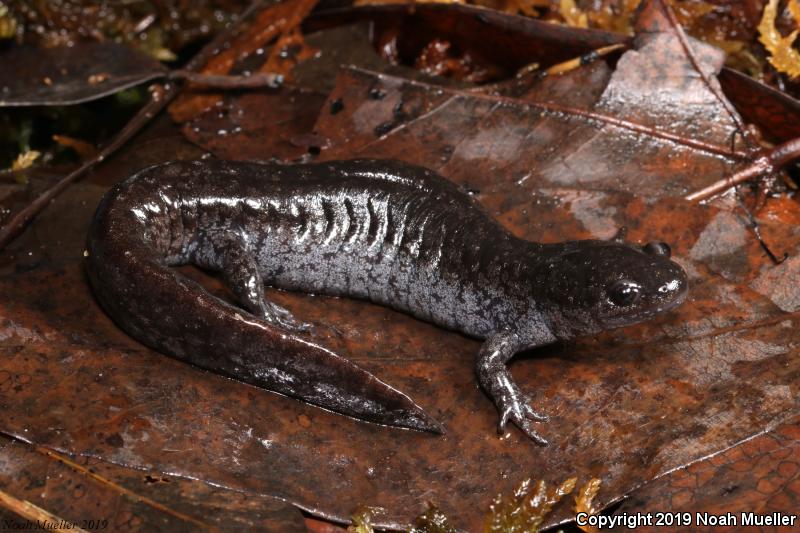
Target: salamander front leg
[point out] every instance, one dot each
(496, 380)
(227, 253)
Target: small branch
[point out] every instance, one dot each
(576, 112)
(757, 232)
(160, 97)
(768, 163)
(638, 128)
(226, 82)
(35, 514)
(715, 89)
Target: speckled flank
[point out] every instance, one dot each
(385, 231)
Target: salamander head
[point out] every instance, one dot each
(598, 285)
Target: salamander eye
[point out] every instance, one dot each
(623, 292)
(657, 248)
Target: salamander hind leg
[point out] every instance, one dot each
(227, 252)
(496, 380)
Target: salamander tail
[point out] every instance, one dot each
(323, 378)
(179, 317)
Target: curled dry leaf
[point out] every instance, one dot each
(25, 160)
(572, 14)
(783, 55)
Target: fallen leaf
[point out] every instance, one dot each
(95, 496)
(757, 476)
(71, 75)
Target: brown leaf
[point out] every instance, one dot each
(758, 476)
(94, 496)
(71, 75)
(624, 383)
(776, 114)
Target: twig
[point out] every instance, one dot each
(35, 515)
(589, 115)
(160, 97)
(769, 162)
(757, 232)
(226, 81)
(715, 89)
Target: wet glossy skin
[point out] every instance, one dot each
(393, 233)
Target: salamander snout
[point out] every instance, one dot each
(599, 285)
(640, 284)
(657, 248)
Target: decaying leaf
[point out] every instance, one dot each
(105, 497)
(524, 511)
(157, 27)
(783, 56)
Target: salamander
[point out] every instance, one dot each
(385, 231)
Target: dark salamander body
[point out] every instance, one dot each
(385, 231)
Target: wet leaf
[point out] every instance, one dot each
(775, 113)
(505, 41)
(95, 496)
(758, 475)
(62, 76)
(650, 126)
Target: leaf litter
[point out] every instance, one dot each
(685, 386)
